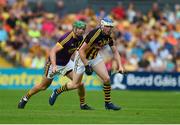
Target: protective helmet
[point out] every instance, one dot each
(107, 22)
(79, 24)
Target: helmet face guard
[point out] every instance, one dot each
(79, 24)
(107, 22)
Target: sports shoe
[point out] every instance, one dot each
(85, 107)
(111, 106)
(53, 97)
(22, 103)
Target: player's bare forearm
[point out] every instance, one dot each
(83, 57)
(53, 57)
(117, 57)
(55, 49)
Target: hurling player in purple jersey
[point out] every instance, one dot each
(88, 59)
(60, 63)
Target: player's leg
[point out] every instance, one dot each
(81, 93)
(74, 84)
(68, 71)
(39, 87)
(45, 83)
(81, 89)
(77, 78)
(102, 72)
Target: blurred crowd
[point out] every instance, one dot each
(146, 41)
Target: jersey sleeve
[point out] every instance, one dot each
(64, 39)
(81, 41)
(92, 36)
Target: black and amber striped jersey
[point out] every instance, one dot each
(70, 42)
(96, 39)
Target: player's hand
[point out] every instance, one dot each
(88, 70)
(121, 70)
(54, 69)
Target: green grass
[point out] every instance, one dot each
(138, 107)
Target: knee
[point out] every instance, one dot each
(106, 79)
(78, 85)
(81, 84)
(44, 88)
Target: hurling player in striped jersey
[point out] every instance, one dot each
(88, 59)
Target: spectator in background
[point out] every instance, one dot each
(127, 36)
(60, 8)
(157, 64)
(38, 61)
(48, 25)
(177, 12)
(138, 19)
(131, 13)
(39, 8)
(155, 11)
(118, 12)
(137, 50)
(81, 15)
(89, 13)
(11, 21)
(144, 63)
(3, 3)
(154, 44)
(169, 64)
(33, 31)
(47, 43)
(163, 52)
(3, 33)
(177, 60)
(101, 13)
(11, 2)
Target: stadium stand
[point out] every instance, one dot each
(4, 63)
(147, 41)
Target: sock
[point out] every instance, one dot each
(82, 100)
(107, 92)
(81, 93)
(27, 96)
(62, 89)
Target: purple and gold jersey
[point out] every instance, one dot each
(70, 42)
(96, 40)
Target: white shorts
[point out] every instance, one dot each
(79, 66)
(61, 70)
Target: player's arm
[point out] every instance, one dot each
(117, 57)
(53, 52)
(82, 53)
(85, 46)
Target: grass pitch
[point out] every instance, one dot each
(137, 107)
